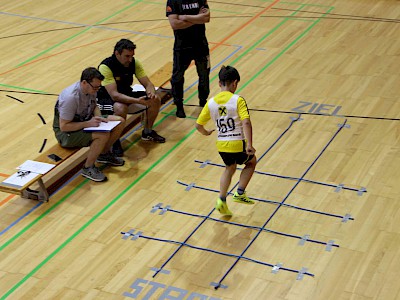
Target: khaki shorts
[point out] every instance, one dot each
(75, 139)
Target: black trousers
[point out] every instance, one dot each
(182, 60)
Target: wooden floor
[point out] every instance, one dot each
(322, 80)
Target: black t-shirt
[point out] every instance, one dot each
(193, 37)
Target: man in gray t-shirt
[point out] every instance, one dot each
(76, 109)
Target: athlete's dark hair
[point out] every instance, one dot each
(228, 75)
(90, 73)
(124, 44)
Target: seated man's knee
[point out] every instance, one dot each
(154, 101)
(101, 136)
(158, 101)
(122, 120)
(116, 118)
(120, 109)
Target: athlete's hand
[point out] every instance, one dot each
(209, 132)
(250, 150)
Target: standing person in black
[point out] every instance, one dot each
(187, 19)
(116, 95)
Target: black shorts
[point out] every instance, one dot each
(239, 158)
(106, 104)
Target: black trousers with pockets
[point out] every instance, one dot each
(182, 60)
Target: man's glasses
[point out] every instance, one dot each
(96, 88)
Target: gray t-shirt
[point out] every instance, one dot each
(75, 105)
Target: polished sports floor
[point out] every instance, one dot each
(322, 82)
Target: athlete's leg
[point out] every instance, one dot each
(247, 173)
(226, 179)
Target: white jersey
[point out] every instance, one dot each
(226, 119)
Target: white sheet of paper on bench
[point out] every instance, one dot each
(139, 88)
(18, 179)
(36, 167)
(103, 127)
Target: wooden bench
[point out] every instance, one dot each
(42, 186)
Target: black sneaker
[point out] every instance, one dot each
(180, 112)
(111, 159)
(153, 136)
(117, 149)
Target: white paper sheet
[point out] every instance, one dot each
(36, 167)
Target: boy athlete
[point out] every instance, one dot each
(234, 141)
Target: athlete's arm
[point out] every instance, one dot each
(247, 127)
(248, 134)
(202, 130)
(202, 120)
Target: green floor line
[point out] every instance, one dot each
(48, 258)
(304, 4)
(286, 48)
(156, 124)
(92, 219)
(78, 34)
(27, 227)
(212, 9)
(173, 114)
(300, 19)
(136, 140)
(21, 88)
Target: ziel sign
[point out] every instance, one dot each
(317, 108)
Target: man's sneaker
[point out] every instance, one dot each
(222, 207)
(117, 149)
(152, 136)
(111, 159)
(180, 113)
(93, 173)
(242, 198)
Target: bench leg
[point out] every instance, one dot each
(41, 194)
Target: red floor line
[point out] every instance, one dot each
(244, 25)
